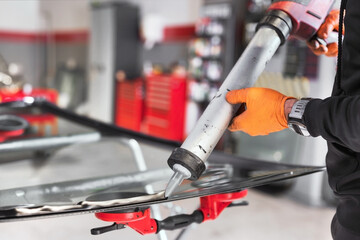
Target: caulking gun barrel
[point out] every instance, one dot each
(271, 33)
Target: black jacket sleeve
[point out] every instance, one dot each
(336, 119)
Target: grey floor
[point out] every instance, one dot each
(267, 217)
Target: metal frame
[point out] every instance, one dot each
(141, 164)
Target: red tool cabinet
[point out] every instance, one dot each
(50, 95)
(41, 122)
(129, 104)
(165, 106)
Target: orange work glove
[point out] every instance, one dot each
(330, 24)
(264, 112)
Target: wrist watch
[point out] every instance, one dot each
(296, 121)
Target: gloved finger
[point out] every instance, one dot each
(322, 49)
(332, 50)
(237, 123)
(237, 96)
(313, 44)
(316, 47)
(326, 29)
(330, 24)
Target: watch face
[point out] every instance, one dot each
(298, 127)
(294, 127)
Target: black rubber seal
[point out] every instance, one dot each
(189, 160)
(279, 21)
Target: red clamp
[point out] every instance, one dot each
(212, 205)
(11, 126)
(140, 220)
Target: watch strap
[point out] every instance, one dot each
(296, 117)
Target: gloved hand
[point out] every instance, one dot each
(265, 111)
(330, 24)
